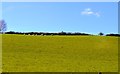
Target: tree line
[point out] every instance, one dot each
(46, 33)
(3, 28)
(59, 33)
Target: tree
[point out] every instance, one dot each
(3, 26)
(101, 33)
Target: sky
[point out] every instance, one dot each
(84, 17)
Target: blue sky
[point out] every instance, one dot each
(85, 17)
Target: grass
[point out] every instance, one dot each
(59, 53)
(0, 53)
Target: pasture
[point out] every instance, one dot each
(59, 53)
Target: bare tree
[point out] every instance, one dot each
(3, 26)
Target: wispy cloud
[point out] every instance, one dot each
(89, 11)
(11, 8)
(8, 8)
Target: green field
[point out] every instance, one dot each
(59, 53)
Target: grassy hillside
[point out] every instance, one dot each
(60, 53)
(0, 53)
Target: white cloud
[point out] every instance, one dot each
(97, 14)
(88, 11)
